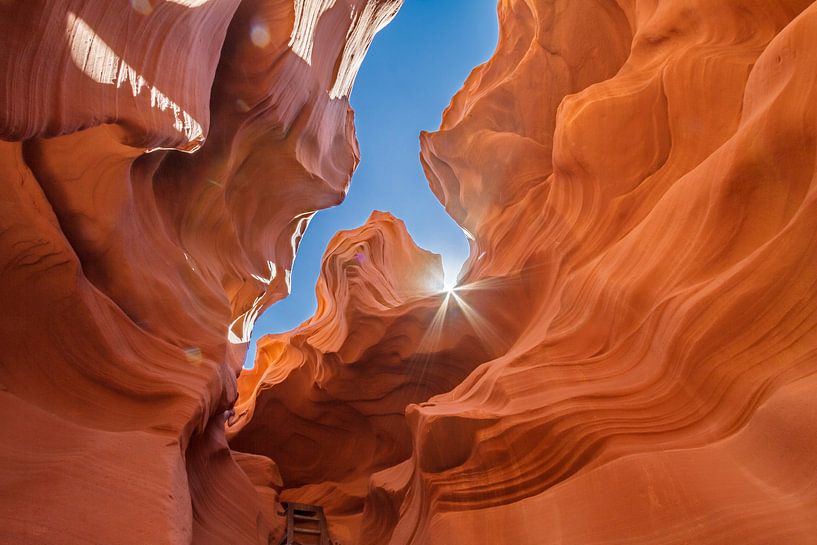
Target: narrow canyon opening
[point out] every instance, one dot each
(628, 355)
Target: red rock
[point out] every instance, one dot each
(131, 275)
(639, 305)
(630, 356)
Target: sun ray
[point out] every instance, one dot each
(484, 330)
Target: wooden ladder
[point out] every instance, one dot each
(306, 525)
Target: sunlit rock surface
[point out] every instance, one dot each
(631, 356)
(131, 272)
(326, 401)
(633, 348)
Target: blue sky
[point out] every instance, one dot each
(414, 67)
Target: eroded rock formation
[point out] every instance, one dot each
(132, 273)
(631, 354)
(634, 339)
(342, 380)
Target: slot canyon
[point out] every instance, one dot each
(629, 354)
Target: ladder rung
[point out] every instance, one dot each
(307, 517)
(307, 531)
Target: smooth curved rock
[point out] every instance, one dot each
(639, 182)
(131, 274)
(629, 357)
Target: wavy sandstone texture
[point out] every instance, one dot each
(132, 273)
(631, 356)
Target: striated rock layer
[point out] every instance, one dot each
(326, 401)
(631, 356)
(131, 273)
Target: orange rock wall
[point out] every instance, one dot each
(634, 340)
(630, 357)
(131, 272)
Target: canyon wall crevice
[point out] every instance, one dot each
(132, 273)
(630, 355)
(638, 181)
